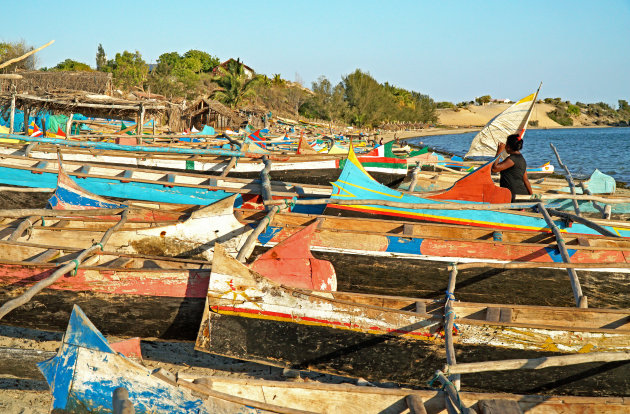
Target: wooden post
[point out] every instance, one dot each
(449, 318)
(228, 167)
(452, 396)
(265, 182)
(569, 178)
(140, 123)
(69, 126)
(414, 178)
(607, 211)
(415, 404)
(580, 299)
(12, 116)
(153, 124)
(248, 246)
(44, 127)
(599, 208)
(27, 115)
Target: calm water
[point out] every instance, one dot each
(582, 150)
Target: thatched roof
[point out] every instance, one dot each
(88, 104)
(38, 82)
(203, 104)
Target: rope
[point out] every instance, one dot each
(459, 400)
(99, 245)
(76, 267)
(43, 222)
(450, 296)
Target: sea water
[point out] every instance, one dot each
(582, 150)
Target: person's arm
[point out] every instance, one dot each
(503, 165)
(527, 184)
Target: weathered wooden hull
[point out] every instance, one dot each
(349, 399)
(250, 317)
(88, 370)
(149, 303)
(386, 357)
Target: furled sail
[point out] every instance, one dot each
(511, 121)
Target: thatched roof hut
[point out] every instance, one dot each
(206, 111)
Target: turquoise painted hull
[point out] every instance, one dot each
(115, 188)
(355, 183)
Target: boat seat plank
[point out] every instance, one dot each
(493, 314)
(84, 169)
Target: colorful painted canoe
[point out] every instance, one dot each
(356, 183)
(379, 339)
(147, 184)
(87, 370)
(200, 160)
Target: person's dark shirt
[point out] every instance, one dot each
(512, 178)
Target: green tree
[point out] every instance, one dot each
(623, 105)
(128, 69)
(573, 110)
(206, 62)
(72, 65)
(234, 84)
(365, 97)
(101, 58)
(482, 100)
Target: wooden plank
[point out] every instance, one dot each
(493, 314)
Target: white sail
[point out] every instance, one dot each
(511, 121)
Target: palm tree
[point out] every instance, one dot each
(234, 84)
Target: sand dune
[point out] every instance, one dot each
(478, 116)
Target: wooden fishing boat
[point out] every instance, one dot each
(356, 183)
(87, 374)
(298, 167)
(146, 184)
(352, 399)
(375, 337)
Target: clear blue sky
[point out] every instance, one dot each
(451, 50)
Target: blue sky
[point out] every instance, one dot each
(451, 50)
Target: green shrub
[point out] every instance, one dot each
(573, 110)
(561, 116)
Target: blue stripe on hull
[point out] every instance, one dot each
(114, 188)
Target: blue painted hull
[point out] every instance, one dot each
(115, 188)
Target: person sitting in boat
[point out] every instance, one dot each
(513, 169)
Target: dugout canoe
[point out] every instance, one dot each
(250, 317)
(87, 371)
(352, 399)
(146, 184)
(315, 169)
(356, 183)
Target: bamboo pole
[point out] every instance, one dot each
(24, 56)
(569, 178)
(580, 299)
(539, 363)
(588, 223)
(69, 126)
(431, 206)
(26, 212)
(248, 246)
(27, 115)
(26, 190)
(57, 274)
(12, 76)
(585, 197)
(539, 265)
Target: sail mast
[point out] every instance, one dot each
(529, 114)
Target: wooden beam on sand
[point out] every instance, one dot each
(539, 363)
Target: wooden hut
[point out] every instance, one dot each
(205, 111)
